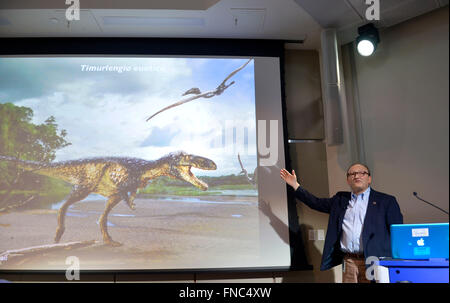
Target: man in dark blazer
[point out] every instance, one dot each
(359, 222)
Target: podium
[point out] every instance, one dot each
(412, 271)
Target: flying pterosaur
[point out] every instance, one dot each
(198, 94)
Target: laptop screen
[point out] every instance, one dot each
(420, 241)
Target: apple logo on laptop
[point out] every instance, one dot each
(421, 242)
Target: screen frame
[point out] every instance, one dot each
(82, 46)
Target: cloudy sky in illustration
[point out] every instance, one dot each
(105, 112)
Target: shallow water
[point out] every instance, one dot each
(235, 193)
(91, 197)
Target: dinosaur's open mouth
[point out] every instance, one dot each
(199, 183)
(182, 168)
(188, 176)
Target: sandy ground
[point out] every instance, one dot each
(192, 233)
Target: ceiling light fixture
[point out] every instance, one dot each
(368, 39)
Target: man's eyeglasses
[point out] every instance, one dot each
(356, 173)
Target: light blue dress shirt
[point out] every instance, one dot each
(351, 239)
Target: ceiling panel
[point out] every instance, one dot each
(329, 13)
(141, 23)
(248, 18)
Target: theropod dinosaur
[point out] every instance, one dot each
(117, 178)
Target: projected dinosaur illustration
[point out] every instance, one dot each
(117, 178)
(198, 94)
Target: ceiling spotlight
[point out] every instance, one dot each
(368, 39)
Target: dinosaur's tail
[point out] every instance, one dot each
(54, 170)
(27, 165)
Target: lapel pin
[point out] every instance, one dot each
(374, 203)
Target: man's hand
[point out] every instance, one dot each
(290, 179)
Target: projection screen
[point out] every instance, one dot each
(141, 163)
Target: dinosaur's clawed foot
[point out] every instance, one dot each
(112, 243)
